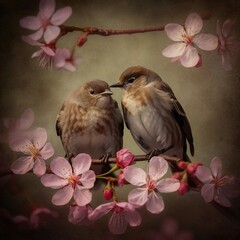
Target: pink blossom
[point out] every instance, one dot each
(124, 213)
(229, 45)
(47, 21)
(216, 186)
(124, 158)
(72, 181)
(45, 54)
(65, 59)
(18, 125)
(187, 37)
(79, 214)
(36, 220)
(34, 146)
(150, 185)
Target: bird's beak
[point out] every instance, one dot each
(106, 92)
(117, 85)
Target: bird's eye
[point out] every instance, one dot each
(92, 92)
(131, 79)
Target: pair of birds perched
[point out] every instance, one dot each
(91, 122)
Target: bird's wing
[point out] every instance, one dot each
(179, 114)
(119, 119)
(58, 124)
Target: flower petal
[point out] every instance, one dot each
(207, 42)
(190, 57)
(51, 33)
(47, 151)
(227, 28)
(22, 165)
(61, 15)
(39, 167)
(101, 211)
(155, 203)
(81, 163)
(88, 178)
(216, 167)
(30, 22)
(117, 223)
(36, 35)
(49, 51)
(61, 167)
(226, 60)
(82, 196)
(63, 196)
(174, 50)
(204, 174)
(46, 8)
(157, 167)
(134, 175)
(70, 66)
(133, 218)
(207, 192)
(19, 143)
(138, 196)
(193, 24)
(222, 199)
(53, 181)
(26, 119)
(175, 31)
(39, 137)
(168, 185)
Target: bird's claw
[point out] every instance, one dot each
(156, 152)
(104, 159)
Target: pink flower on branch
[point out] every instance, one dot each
(34, 145)
(79, 214)
(65, 59)
(72, 181)
(187, 37)
(47, 21)
(45, 54)
(36, 220)
(150, 184)
(124, 158)
(124, 213)
(229, 45)
(216, 186)
(18, 125)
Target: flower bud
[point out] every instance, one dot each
(124, 158)
(176, 175)
(182, 164)
(108, 191)
(82, 39)
(192, 167)
(183, 188)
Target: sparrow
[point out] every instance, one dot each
(153, 115)
(90, 122)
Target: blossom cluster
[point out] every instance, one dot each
(48, 27)
(75, 180)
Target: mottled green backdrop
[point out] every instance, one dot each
(209, 95)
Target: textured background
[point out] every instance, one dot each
(209, 95)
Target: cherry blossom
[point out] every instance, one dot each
(216, 186)
(45, 54)
(187, 37)
(17, 126)
(34, 146)
(47, 21)
(79, 214)
(124, 158)
(36, 220)
(124, 213)
(229, 45)
(72, 181)
(65, 59)
(150, 185)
